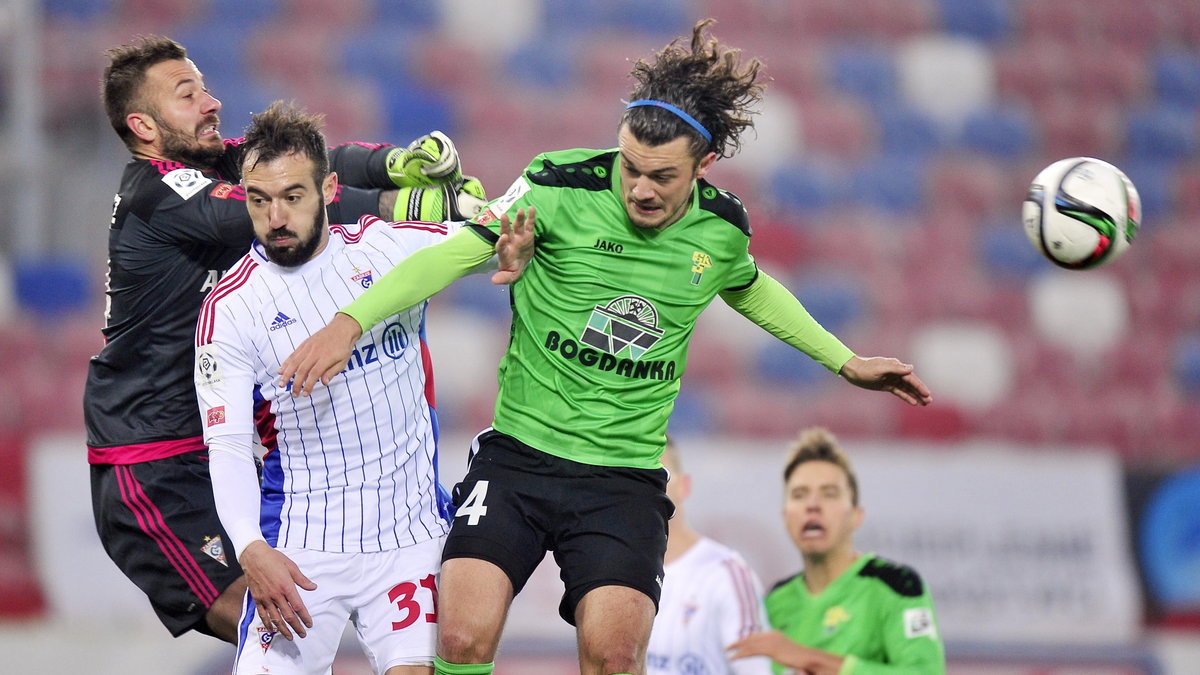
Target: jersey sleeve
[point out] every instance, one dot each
(769, 304)
(199, 209)
(361, 165)
(741, 613)
(911, 640)
(520, 195)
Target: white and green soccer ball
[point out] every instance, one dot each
(1081, 212)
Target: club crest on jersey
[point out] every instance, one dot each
(215, 416)
(626, 327)
(700, 262)
(215, 549)
(265, 637)
(207, 367)
(834, 617)
(365, 279)
(186, 182)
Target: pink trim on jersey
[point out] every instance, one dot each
(144, 452)
(747, 599)
(236, 278)
(369, 146)
(151, 521)
(230, 142)
(165, 166)
(422, 225)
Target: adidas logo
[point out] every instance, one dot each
(281, 321)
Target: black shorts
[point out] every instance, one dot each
(158, 522)
(607, 526)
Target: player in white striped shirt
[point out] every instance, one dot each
(710, 597)
(351, 511)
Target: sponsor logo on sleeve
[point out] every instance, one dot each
(216, 415)
(501, 206)
(186, 182)
(918, 622)
(207, 367)
(222, 191)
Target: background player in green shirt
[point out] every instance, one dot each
(847, 613)
(632, 244)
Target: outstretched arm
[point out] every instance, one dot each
(783, 651)
(416, 279)
(767, 303)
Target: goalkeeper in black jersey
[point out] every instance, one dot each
(179, 219)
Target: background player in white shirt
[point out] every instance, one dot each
(351, 511)
(710, 597)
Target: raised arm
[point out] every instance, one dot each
(767, 303)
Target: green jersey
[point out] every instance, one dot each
(603, 314)
(877, 613)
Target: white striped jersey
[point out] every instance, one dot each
(353, 467)
(710, 599)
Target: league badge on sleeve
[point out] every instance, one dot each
(918, 622)
(186, 182)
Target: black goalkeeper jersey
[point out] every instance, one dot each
(174, 230)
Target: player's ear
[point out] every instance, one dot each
(859, 514)
(329, 187)
(142, 125)
(706, 163)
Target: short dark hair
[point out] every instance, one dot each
(121, 84)
(283, 129)
(817, 444)
(704, 79)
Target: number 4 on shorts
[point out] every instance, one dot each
(473, 507)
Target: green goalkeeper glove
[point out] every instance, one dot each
(430, 160)
(457, 201)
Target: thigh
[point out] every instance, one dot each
(614, 533)
(502, 508)
(396, 612)
(158, 522)
(266, 651)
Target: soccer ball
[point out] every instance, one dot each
(1081, 212)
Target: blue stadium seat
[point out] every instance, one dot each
(412, 112)
(218, 49)
(245, 12)
(1162, 133)
(1186, 363)
(545, 64)
(664, 17)
(691, 413)
(865, 71)
(383, 54)
(78, 9)
(1153, 180)
(1177, 79)
(1008, 253)
(782, 364)
(808, 186)
(1004, 133)
(52, 286)
(408, 15)
(907, 131)
(985, 20)
(892, 183)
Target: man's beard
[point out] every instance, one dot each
(188, 150)
(303, 251)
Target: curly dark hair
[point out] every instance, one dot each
(704, 79)
(817, 444)
(121, 84)
(282, 129)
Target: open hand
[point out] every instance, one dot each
(324, 354)
(515, 246)
(273, 579)
(881, 373)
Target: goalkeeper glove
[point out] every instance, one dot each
(430, 160)
(457, 201)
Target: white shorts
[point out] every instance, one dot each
(391, 597)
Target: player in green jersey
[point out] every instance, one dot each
(632, 244)
(847, 613)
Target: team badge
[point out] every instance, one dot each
(214, 549)
(265, 637)
(363, 278)
(834, 617)
(207, 366)
(700, 262)
(626, 327)
(216, 415)
(221, 191)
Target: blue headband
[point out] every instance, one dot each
(682, 115)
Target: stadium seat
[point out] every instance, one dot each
(904, 130)
(838, 126)
(892, 20)
(550, 66)
(78, 9)
(1002, 132)
(1008, 253)
(1070, 23)
(52, 287)
(409, 113)
(989, 21)
(1151, 175)
(410, 15)
(1161, 134)
(865, 71)
(890, 183)
(1185, 191)
(1177, 79)
(809, 187)
(1071, 127)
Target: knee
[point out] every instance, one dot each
(459, 644)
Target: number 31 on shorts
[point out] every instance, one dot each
(473, 507)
